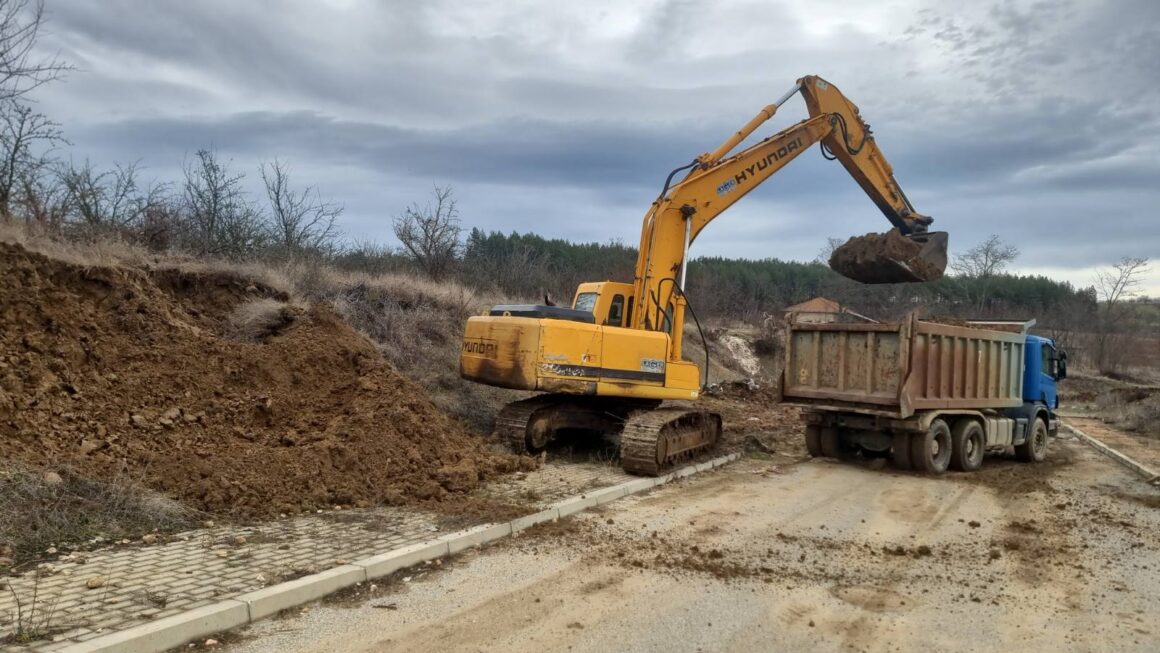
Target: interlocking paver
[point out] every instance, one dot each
(187, 571)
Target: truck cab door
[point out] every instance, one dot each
(1047, 376)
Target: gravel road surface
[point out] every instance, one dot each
(775, 554)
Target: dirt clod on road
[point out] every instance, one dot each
(107, 372)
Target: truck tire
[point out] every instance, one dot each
(814, 440)
(1034, 449)
(901, 450)
(930, 452)
(833, 446)
(968, 444)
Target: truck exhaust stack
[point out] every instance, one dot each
(892, 257)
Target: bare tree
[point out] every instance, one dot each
(22, 70)
(430, 233)
(1113, 288)
(113, 199)
(982, 263)
(44, 201)
(20, 129)
(828, 249)
(302, 221)
(219, 217)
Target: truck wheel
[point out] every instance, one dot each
(814, 440)
(930, 452)
(968, 444)
(832, 444)
(1034, 449)
(901, 450)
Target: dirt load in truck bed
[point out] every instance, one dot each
(121, 371)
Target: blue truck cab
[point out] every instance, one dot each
(1043, 366)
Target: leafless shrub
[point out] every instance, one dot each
(109, 201)
(33, 617)
(219, 216)
(1132, 409)
(40, 509)
(26, 142)
(21, 68)
(301, 222)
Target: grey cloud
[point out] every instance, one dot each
(1034, 120)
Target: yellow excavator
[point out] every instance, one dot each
(606, 364)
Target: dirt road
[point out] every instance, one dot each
(773, 555)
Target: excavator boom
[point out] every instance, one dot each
(716, 180)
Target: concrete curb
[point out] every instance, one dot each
(247, 608)
(1150, 475)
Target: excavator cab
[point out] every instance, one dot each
(610, 302)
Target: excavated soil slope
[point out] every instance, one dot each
(109, 371)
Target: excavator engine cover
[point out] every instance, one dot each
(892, 257)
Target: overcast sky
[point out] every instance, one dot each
(1038, 121)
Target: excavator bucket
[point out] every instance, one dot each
(892, 257)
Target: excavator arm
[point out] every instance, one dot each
(716, 180)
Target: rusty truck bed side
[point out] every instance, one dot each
(899, 368)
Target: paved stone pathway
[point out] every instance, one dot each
(140, 582)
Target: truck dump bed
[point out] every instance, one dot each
(897, 369)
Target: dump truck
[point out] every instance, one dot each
(929, 394)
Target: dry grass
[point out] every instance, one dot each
(262, 318)
(40, 509)
(1132, 409)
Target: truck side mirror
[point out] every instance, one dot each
(1061, 371)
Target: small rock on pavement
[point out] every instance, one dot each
(240, 540)
(95, 582)
(150, 538)
(211, 642)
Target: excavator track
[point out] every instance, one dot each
(653, 441)
(511, 424)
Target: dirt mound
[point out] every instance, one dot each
(889, 258)
(108, 371)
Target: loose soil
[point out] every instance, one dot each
(883, 258)
(107, 371)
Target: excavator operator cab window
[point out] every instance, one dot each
(586, 301)
(628, 317)
(616, 311)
